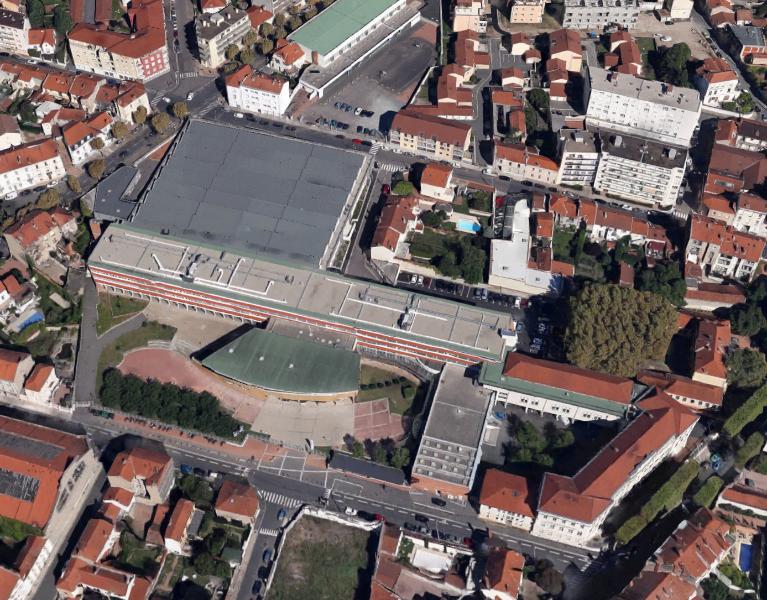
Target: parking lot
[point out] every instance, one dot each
(681, 31)
(381, 85)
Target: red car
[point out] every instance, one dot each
(385, 189)
(356, 141)
(380, 518)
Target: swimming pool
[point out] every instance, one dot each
(468, 226)
(744, 559)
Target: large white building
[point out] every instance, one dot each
(580, 159)
(571, 510)
(30, 165)
(14, 32)
(640, 170)
(257, 92)
(596, 14)
(630, 105)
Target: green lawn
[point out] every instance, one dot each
(113, 354)
(16, 531)
(55, 314)
(646, 45)
(392, 388)
(321, 560)
(137, 557)
(115, 309)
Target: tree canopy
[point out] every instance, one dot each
(664, 279)
(615, 329)
(670, 64)
(746, 368)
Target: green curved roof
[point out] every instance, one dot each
(284, 364)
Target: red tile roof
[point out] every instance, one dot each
(751, 202)
(41, 35)
(564, 40)
(37, 224)
(179, 519)
(392, 224)
(568, 377)
(237, 498)
(245, 77)
(140, 463)
(118, 496)
(436, 174)
(258, 15)
(718, 203)
(289, 52)
(412, 122)
(731, 242)
(658, 586)
(9, 363)
(677, 385)
(587, 494)
(508, 492)
(503, 572)
(745, 497)
(105, 579)
(93, 541)
(711, 342)
(37, 378)
(8, 581)
(27, 154)
(544, 224)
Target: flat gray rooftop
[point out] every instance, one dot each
(453, 434)
(644, 151)
(644, 89)
(251, 191)
(110, 192)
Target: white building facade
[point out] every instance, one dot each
(29, 166)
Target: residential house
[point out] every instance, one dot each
(520, 43)
(640, 170)
(571, 510)
(469, 15)
(717, 82)
(41, 384)
(30, 165)
(751, 214)
(176, 541)
(687, 557)
(711, 343)
(628, 105)
(526, 11)
(506, 499)
(718, 207)
(10, 133)
(140, 54)
(130, 95)
(579, 160)
(398, 218)
(288, 58)
(708, 297)
(719, 13)
(746, 134)
(562, 390)
(15, 367)
(565, 45)
(258, 15)
(731, 169)
(39, 233)
(524, 163)
(436, 182)
(80, 576)
(14, 32)
(749, 43)
(513, 77)
(257, 92)
(441, 139)
(147, 474)
(217, 31)
(503, 574)
(42, 40)
(695, 395)
(212, 6)
(237, 501)
(470, 52)
(80, 138)
(722, 251)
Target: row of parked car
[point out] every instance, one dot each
(358, 111)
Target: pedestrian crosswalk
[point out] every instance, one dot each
(276, 498)
(375, 148)
(188, 75)
(389, 167)
(269, 532)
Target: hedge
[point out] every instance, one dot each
(630, 529)
(708, 491)
(752, 447)
(746, 412)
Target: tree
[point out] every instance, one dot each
(279, 20)
(119, 130)
(74, 184)
(433, 219)
(358, 449)
(664, 279)
(180, 110)
(746, 412)
(630, 528)
(266, 46)
(265, 30)
(708, 491)
(310, 13)
(62, 20)
(406, 547)
(378, 453)
(713, 588)
(753, 446)
(215, 541)
(745, 103)
(96, 168)
(400, 458)
(746, 368)
(139, 115)
(539, 100)
(747, 319)
(160, 122)
(250, 38)
(615, 329)
(295, 22)
(402, 188)
(548, 578)
(97, 143)
(247, 56)
(231, 52)
(48, 199)
(280, 33)
(36, 12)
(194, 488)
(204, 564)
(670, 64)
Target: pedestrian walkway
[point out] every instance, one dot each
(285, 501)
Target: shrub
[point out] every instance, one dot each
(630, 529)
(708, 492)
(752, 447)
(746, 412)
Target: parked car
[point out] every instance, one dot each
(357, 111)
(438, 501)
(386, 189)
(256, 587)
(239, 115)
(282, 514)
(267, 556)
(422, 518)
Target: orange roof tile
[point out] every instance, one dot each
(289, 52)
(507, 492)
(93, 541)
(119, 496)
(36, 224)
(27, 154)
(730, 241)
(658, 586)
(718, 203)
(237, 498)
(37, 378)
(711, 342)
(258, 15)
(436, 174)
(677, 385)
(415, 123)
(564, 40)
(179, 519)
(8, 581)
(503, 572)
(745, 497)
(9, 363)
(140, 463)
(79, 573)
(42, 35)
(28, 555)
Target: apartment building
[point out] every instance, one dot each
(596, 14)
(436, 138)
(176, 540)
(558, 389)
(716, 82)
(640, 170)
(216, 32)
(39, 232)
(626, 104)
(141, 54)
(750, 215)
(565, 45)
(524, 163)
(722, 251)
(744, 134)
(506, 499)
(749, 43)
(147, 474)
(469, 14)
(80, 138)
(526, 11)
(257, 92)
(14, 32)
(571, 510)
(580, 158)
(30, 165)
